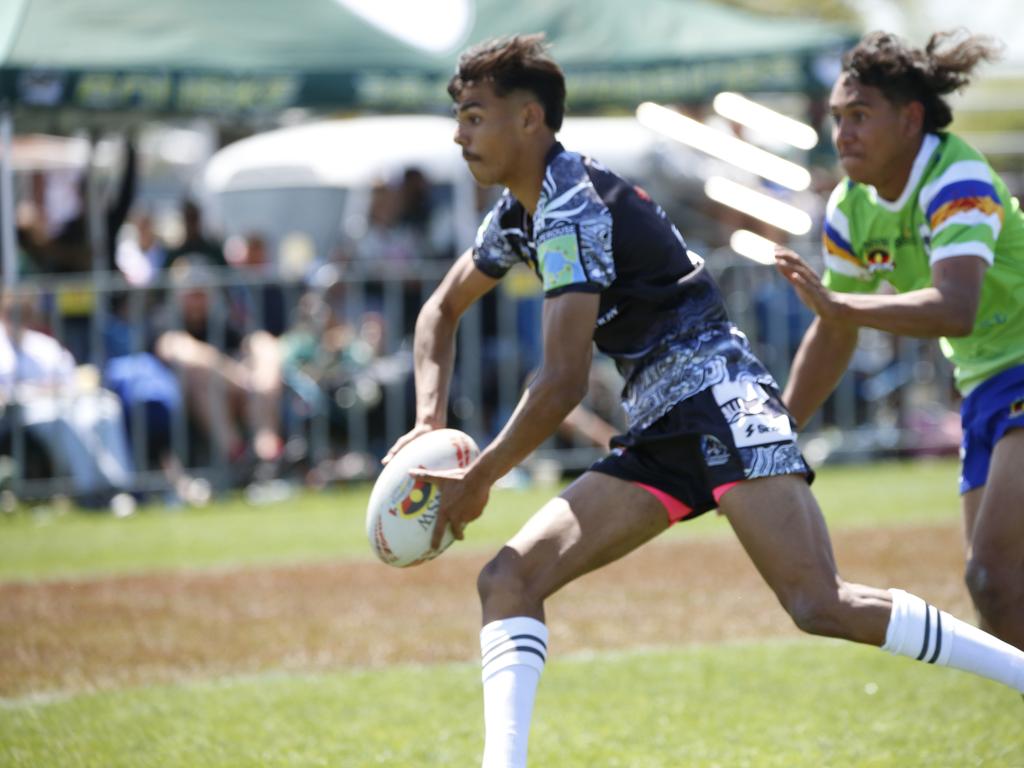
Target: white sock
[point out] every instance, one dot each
(923, 632)
(513, 652)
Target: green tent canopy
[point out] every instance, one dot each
(238, 58)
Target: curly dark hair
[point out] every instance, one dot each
(520, 62)
(904, 73)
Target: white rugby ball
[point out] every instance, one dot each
(402, 510)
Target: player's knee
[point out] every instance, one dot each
(502, 578)
(817, 611)
(992, 585)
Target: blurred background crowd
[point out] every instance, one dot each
(204, 303)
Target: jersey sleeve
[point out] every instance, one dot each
(963, 212)
(844, 270)
(573, 232)
(493, 252)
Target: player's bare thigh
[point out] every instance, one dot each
(780, 525)
(595, 521)
(994, 516)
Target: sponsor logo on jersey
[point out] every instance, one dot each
(714, 450)
(879, 260)
(1017, 408)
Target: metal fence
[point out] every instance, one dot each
(346, 374)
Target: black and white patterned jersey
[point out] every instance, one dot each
(661, 317)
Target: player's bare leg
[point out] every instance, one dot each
(780, 525)
(596, 520)
(994, 523)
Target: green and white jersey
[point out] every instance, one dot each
(954, 204)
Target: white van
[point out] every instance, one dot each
(317, 178)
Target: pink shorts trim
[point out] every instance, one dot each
(674, 507)
(721, 490)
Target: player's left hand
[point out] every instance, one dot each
(463, 499)
(807, 284)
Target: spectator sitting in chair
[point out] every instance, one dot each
(232, 382)
(79, 425)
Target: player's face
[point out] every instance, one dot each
(489, 132)
(876, 139)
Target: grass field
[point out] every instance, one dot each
(674, 693)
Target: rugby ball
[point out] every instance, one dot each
(402, 510)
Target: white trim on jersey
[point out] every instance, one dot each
(928, 146)
(962, 170)
(975, 248)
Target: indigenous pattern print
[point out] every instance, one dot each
(661, 316)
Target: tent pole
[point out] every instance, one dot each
(7, 225)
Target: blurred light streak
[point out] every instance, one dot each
(759, 205)
(753, 246)
(760, 118)
(740, 153)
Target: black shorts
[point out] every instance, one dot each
(732, 431)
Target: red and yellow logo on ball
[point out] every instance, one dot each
(417, 501)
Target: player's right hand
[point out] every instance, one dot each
(408, 437)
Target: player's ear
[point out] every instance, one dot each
(532, 115)
(913, 116)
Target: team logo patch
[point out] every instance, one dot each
(715, 452)
(1017, 408)
(879, 260)
(558, 258)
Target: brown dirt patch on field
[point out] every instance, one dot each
(130, 630)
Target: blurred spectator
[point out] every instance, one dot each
(259, 302)
(232, 381)
(79, 425)
(61, 240)
(195, 244)
(384, 240)
(424, 216)
(140, 254)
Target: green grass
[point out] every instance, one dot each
(42, 543)
(797, 704)
(804, 704)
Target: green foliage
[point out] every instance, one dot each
(806, 704)
(328, 525)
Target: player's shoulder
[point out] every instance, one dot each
(953, 148)
(565, 172)
(846, 194)
(955, 161)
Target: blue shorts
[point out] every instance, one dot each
(989, 412)
(705, 445)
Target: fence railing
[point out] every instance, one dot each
(346, 389)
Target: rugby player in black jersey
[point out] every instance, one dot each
(707, 428)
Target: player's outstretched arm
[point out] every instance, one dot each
(434, 344)
(945, 308)
(557, 388)
(818, 365)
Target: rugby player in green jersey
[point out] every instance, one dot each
(924, 212)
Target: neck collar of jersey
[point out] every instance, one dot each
(928, 145)
(555, 150)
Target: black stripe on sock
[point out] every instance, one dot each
(927, 630)
(498, 642)
(525, 648)
(938, 636)
(496, 651)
